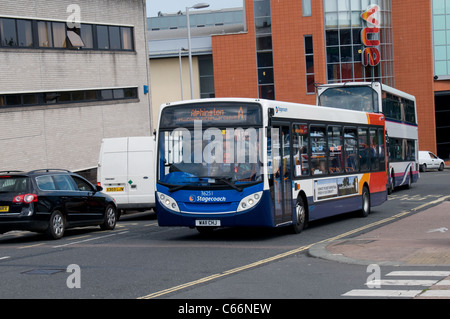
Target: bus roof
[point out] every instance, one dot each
(375, 85)
(295, 111)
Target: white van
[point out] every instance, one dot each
(126, 171)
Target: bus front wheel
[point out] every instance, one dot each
(300, 216)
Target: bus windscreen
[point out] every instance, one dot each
(356, 98)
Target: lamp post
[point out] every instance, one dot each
(196, 6)
(181, 71)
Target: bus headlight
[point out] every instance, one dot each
(168, 202)
(249, 201)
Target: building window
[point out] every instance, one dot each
(263, 30)
(45, 34)
(64, 97)
(15, 33)
(206, 70)
(344, 48)
(34, 34)
(309, 61)
(306, 8)
(441, 38)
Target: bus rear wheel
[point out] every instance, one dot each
(365, 210)
(300, 216)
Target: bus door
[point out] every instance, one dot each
(281, 181)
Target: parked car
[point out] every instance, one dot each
(50, 201)
(427, 160)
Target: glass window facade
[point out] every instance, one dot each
(263, 29)
(441, 38)
(344, 46)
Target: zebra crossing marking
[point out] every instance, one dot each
(405, 293)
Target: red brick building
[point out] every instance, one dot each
(289, 45)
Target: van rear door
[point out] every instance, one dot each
(141, 171)
(113, 167)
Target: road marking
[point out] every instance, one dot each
(400, 282)
(83, 241)
(289, 253)
(6, 257)
(418, 273)
(31, 246)
(382, 293)
(436, 293)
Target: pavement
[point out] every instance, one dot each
(417, 239)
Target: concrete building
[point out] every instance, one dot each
(71, 75)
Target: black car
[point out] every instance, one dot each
(50, 201)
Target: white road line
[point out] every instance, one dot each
(436, 293)
(6, 257)
(83, 241)
(389, 282)
(420, 273)
(382, 293)
(444, 282)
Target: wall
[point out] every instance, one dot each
(165, 79)
(69, 136)
(413, 52)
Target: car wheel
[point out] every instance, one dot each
(110, 218)
(441, 167)
(56, 226)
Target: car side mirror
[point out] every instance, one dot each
(98, 188)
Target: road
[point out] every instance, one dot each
(141, 260)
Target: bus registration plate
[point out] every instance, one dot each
(207, 222)
(4, 209)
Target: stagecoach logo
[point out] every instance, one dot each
(281, 109)
(207, 199)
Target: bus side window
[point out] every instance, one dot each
(300, 150)
(374, 150)
(381, 153)
(351, 150)
(335, 159)
(364, 150)
(318, 150)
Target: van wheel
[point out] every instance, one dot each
(56, 226)
(110, 218)
(365, 210)
(300, 216)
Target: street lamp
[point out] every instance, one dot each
(181, 71)
(196, 6)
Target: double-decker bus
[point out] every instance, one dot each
(251, 162)
(399, 109)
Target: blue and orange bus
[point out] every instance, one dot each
(250, 162)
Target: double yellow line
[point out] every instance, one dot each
(288, 253)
